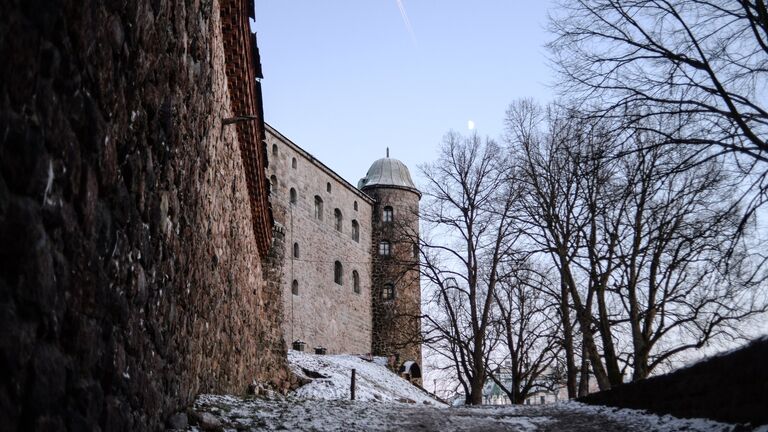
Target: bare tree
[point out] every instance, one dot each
(528, 329)
(703, 62)
(565, 206)
(468, 234)
(648, 251)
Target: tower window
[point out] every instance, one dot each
(295, 287)
(337, 218)
(293, 196)
(318, 208)
(388, 214)
(294, 163)
(356, 281)
(415, 250)
(338, 271)
(355, 205)
(355, 231)
(328, 187)
(385, 248)
(274, 149)
(295, 250)
(273, 182)
(388, 292)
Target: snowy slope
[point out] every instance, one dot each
(374, 382)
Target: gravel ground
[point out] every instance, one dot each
(230, 413)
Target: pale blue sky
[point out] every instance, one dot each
(346, 79)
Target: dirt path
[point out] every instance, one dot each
(229, 413)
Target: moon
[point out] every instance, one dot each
(470, 124)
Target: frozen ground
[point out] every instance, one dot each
(229, 413)
(374, 381)
(386, 402)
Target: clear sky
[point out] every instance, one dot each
(344, 79)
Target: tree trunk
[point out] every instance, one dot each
(570, 364)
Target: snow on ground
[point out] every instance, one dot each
(386, 402)
(374, 382)
(230, 413)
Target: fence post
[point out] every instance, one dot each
(352, 388)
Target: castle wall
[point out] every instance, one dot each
(130, 269)
(323, 313)
(396, 323)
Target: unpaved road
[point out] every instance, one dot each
(230, 413)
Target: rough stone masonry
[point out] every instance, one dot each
(133, 221)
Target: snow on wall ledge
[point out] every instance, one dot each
(374, 382)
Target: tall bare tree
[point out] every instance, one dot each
(528, 329)
(704, 62)
(467, 236)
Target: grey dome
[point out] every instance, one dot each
(387, 172)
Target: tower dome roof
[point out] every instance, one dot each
(387, 172)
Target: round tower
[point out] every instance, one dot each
(395, 287)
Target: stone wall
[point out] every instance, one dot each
(130, 274)
(323, 313)
(396, 323)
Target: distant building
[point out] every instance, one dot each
(350, 276)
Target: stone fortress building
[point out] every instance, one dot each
(350, 276)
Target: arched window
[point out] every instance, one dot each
(356, 281)
(328, 187)
(295, 250)
(388, 292)
(337, 218)
(273, 183)
(338, 272)
(294, 197)
(385, 249)
(274, 149)
(355, 231)
(294, 163)
(355, 205)
(388, 215)
(318, 208)
(295, 287)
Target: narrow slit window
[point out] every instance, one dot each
(296, 250)
(338, 219)
(318, 208)
(355, 231)
(294, 197)
(294, 163)
(338, 271)
(295, 287)
(356, 281)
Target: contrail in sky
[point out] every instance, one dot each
(406, 20)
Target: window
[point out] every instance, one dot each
(356, 281)
(274, 149)
(318, 208)
(273, 183)
(293, 196)
(355, 205)
(338, 271)
(385, 249)
(388, 214)
(328, 187)
(388, 293)
(355, 231)
(337, 218)
(295, 250)
(415, 250)
(295, 287)
(294, 163)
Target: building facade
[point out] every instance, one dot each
(350, 276)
